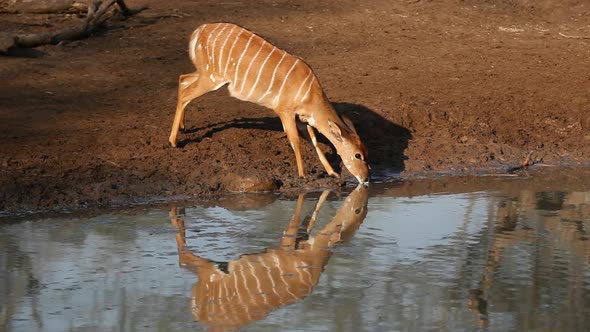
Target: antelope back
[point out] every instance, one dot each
(253, 286)
(256, 70)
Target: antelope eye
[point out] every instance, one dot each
(357, 211)
(357, 155)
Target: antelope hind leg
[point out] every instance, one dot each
(190, 86)
(290, 127)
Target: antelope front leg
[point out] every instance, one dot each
(321, 155)
(178, 223)
(290, 127)
(318, 206)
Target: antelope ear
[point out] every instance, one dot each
(335, 130)
(349, 123)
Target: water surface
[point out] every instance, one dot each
(457, 254)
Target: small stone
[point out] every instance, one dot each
(249, 183)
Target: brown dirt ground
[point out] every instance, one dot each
(432, 86)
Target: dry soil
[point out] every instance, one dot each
(433, 86)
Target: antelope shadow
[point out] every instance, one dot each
(385, 140)
(229, 295)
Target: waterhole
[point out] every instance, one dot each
(456, 254)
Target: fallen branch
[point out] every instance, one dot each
(43, 6)
(574, 37)
(98, 12)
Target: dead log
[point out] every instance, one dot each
(42, 6)
(98, 12)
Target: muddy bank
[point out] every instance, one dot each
(431, 86)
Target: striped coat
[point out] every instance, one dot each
(245, 290)
(254, 70)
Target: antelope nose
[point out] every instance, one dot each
(367, 180)
(363, 180)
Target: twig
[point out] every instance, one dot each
(110, 162)
(501, 174)
(527, 160)
(173, 15)
(573, 37)
(525, 163)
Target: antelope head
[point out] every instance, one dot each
(350, 148)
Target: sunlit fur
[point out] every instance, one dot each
(255, 70)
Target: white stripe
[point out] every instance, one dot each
(231, 50)
(301, 86)
(253, 295)
(272, 80)
(227, 292)
(247, 298)
(269, 276)
(308, 89)
(223, 47)
(215, 42)
(258, 286)
(282, 275)
(260, 72)
(192, 46)
(243, 279)
(211, 302)
(221, 305)
(194, 41)
(275, 288)
(250, 65)
(209, 41)
(240, 59)
(235, 276)
(297, 265)
(308, 272)
(278, 96)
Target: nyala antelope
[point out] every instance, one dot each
(258, 72)
(244, 290)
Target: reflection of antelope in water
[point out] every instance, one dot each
(247, 289)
